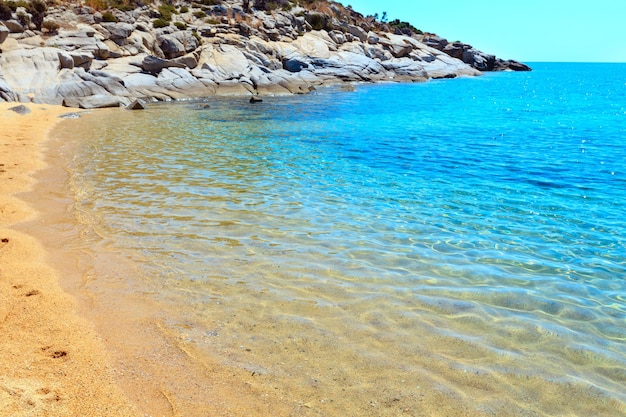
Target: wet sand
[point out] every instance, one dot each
(53, 362)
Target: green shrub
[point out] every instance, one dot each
(316, 20)
(180, 25)
(50, 26)
(5, 11)
(23, 18)
(183, 9)
(397, 24)
(37, 9)
(270, 5)
(197, 36)
(13, 5)
(107, 16)
(160, 23)
(166, 11)
(123, 5)
(199, 14)
(212, 21)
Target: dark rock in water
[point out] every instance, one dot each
(200, 106)
(473, 57)
(255, 99)
(21, 109)
(348, 88)
(511, 65)
(137, 105)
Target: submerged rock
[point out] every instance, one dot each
(70, 115)
(137, 104)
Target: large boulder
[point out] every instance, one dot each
(435, 41)
(399, 46)
(94, 102)
(155, 65)
(118, 32)
(72, 40)
(14, 26)
(4, 32)
(30, 70)
(82, 59)
(510, 65)
(6, 93)
(296, 63)
(479, 60)
(179, 43)
(65, 60)
(357, 32)
(111, 83)
(137, 104)
(181, 83)
(405, 68)
(70, 84)
(225, 62)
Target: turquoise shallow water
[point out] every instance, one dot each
(424, 230)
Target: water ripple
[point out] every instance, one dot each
(487, 218)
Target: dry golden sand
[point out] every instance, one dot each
(52, 362)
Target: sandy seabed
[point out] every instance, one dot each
(52, 361)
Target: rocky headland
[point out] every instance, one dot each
(102, 53)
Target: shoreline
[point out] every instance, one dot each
(143, 365)
(54, 362)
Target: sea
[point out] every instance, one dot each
(451, 247)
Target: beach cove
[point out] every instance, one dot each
(201, 257)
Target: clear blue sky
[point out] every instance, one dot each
(524, 30)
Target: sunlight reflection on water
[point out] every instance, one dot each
(399, 233)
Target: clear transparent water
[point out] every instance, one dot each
(410, 234)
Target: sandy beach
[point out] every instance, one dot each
(53, 362)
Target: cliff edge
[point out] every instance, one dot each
(108, 54)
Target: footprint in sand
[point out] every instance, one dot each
(28, 293)
(28, 397)
(54, 353)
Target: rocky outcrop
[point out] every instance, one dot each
(212, 50)
(471, 56)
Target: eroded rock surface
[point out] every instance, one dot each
(220, 49)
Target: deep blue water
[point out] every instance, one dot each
(489, 210)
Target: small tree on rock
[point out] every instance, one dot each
(37, 9)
